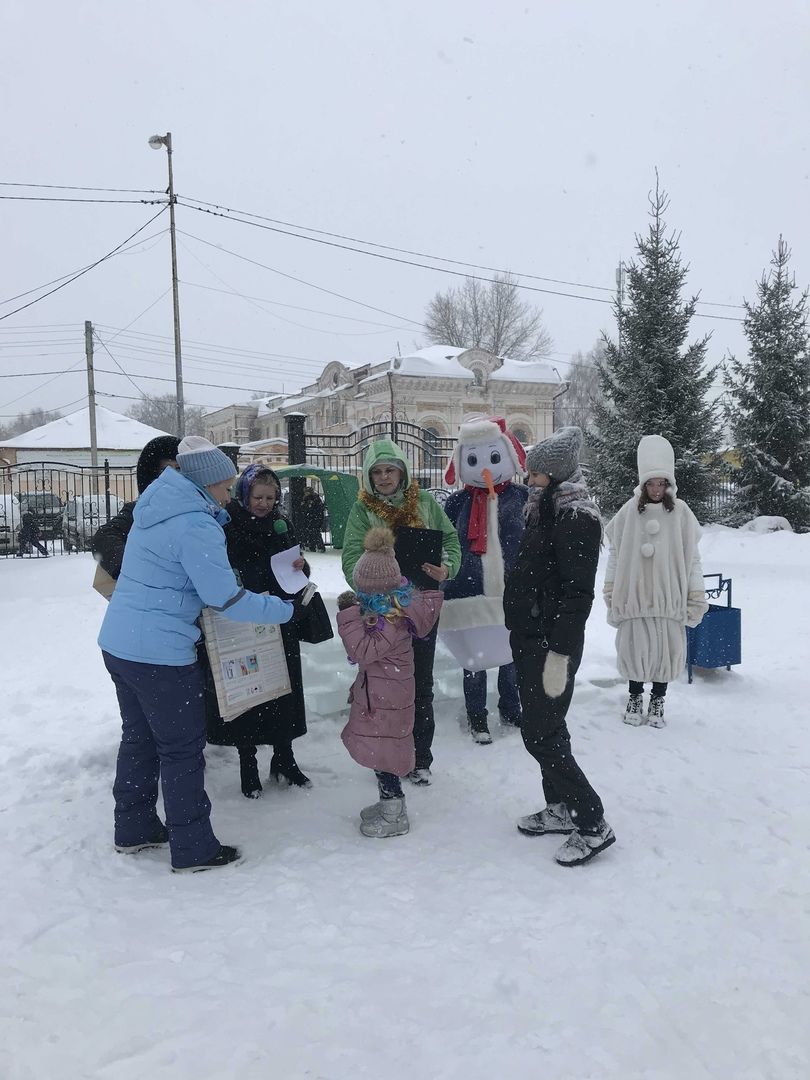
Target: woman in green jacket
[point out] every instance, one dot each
(388, 496)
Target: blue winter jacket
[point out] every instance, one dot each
(469, 581)
(175, 563)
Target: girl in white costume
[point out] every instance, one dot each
(654, 581)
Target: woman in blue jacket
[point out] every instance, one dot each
(175, 563)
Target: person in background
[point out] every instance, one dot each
(29, 535)
(312, 515)
(653, 582)
(547, 600)
(378, 626)
(175, 563)
(388, 496)
(110, 539)
(256, 531)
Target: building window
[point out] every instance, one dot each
(522, 434)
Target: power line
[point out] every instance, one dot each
(92, 266)
(300, 281)
(107, 351)
(66, 199)
(74, 187)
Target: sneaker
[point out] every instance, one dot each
(553, 819)
(289, 774)
(223, 857)
(420, 777)
(634, 711)
(580, 847)
(655, 712)
(369, 813)
(161, 839)
(479, 729)
(392, 820)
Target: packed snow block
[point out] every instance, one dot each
(717, 641)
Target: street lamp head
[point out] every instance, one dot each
(157, 141)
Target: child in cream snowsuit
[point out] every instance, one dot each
(377, 627)
(654, 581)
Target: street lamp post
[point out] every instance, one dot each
(156, 142)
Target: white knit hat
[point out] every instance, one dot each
(656, 458)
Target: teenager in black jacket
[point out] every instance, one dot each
(547, 600)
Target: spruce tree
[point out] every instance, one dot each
(653, 382)
(769, 402)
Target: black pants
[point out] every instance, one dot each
(659, 689)
(424, 725)
(390, 785)
(545, 734)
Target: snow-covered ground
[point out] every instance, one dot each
(459, 952)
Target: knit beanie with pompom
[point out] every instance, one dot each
(377, 570)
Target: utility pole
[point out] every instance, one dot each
(91, 393)
(156, 142)
(393, 413)
(620, 298)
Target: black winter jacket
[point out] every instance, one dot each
(110, 540)
(549, 594)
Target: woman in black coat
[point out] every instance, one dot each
(256, 532)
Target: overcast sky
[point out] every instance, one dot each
(515, 135)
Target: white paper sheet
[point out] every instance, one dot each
(288, 578)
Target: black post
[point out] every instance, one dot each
(296, 455)
(106, 487)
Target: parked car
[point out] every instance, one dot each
(81, 517)
(9, 524)
(47, 510)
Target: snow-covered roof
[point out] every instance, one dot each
(442, 361)
(113, 432)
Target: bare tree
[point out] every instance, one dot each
(161, 412)
(576, 406)
(488, 315)
(27, 422)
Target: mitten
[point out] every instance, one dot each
(696, 608)
(346, 600)
(555, 674)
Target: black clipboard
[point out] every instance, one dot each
(413, 547)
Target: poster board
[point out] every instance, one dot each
(247, 662)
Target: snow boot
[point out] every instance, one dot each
(284, 770)
(554, 818)
(582, 845)
(392, 820)
(160, 839)
(510, 720)
(249, 773)
(479, 729)
(420, 777)
(634, 711)
(223, 857)
(655, 712)
(369, 813)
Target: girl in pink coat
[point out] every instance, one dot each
(377, 626)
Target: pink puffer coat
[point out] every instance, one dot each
(379, 734)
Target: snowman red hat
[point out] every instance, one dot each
(485, 429)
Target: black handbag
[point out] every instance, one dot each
(313, 624)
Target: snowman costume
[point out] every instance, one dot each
(488, 516)
(654, 579)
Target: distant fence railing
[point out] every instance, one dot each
(67, 502)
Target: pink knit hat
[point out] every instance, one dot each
(377, 570)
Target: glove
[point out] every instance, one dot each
(555, 674)
(346, 600)
(696, 608)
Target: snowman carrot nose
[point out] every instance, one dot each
(487, 475)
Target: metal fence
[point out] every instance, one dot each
(63, 504)
(427, 454)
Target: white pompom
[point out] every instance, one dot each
(647, 550)
(652, 526)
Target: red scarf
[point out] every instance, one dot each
(477, 528)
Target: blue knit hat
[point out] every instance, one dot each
(202, 462)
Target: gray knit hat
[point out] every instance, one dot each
(202, 462)
(558, 455)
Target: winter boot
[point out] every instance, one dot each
(420, 777)
(223, 857)
(369, 813)
(634, 711)
(284, 769)
(655, 712)
(249, 773)
(554, 818)
(582, 845)
(479, 729)
(160, 839)
(392, 820)
(512, 720)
